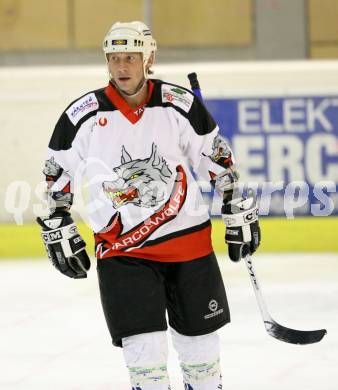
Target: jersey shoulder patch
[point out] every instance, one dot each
(82, 107)
(177, 96)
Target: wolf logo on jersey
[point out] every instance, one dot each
(140, 182)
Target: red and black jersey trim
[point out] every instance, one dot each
(132, 114)
(185, 245)
(178, 233)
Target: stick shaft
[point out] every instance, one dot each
(259, 297)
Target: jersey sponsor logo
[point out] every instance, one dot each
(177, 96)
(180, 91)
(82, 107)
(103, 121)
(114, 240)
(142, 183)
(169, 97)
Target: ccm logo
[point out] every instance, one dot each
(52, 236)
(251, 216)
(73, 230)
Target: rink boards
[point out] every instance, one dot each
(279, 235)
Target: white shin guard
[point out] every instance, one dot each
(199, 357)
(146, 357)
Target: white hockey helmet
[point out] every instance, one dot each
(134, 37)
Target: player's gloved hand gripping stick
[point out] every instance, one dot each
(246, 241)
(243, 234)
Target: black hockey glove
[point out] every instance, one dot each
(65, 247)
(243, 234)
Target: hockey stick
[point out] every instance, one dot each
(274, 329)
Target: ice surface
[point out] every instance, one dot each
(53, 334)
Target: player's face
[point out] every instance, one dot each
(127, 70)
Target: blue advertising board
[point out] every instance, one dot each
(287, 147)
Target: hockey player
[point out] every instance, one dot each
(139, 139)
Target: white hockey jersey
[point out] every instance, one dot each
(143, 199)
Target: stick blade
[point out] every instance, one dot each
(294, 336)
